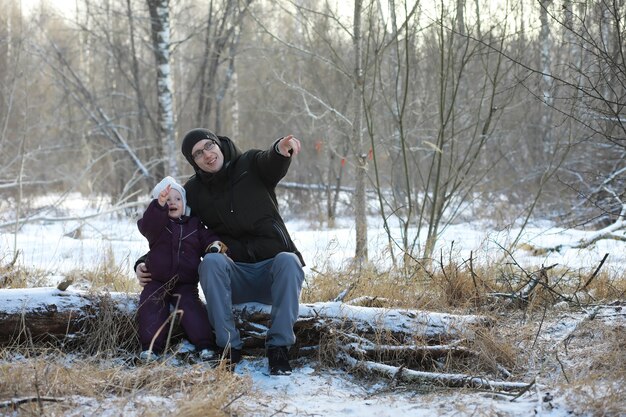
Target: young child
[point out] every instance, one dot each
(177, 243)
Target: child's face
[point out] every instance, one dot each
(175, 204)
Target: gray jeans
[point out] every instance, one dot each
(276, 281)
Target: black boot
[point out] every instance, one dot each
(231, 357)
(278, 360)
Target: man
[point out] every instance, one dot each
(233, 193)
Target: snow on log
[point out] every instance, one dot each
(47, 313)
(50, 314)
(401, 323)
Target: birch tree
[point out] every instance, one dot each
(161, 43)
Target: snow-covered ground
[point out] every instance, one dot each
(113, 239)
(313, 390)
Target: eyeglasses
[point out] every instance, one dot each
(207, 147)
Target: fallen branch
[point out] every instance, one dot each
(523, 295)
(527, 291)
(614, 231)
(367, 301)
(608, 233)
(366, 348)
(432, 378)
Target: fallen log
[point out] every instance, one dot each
(105, 322)
(49, 314)
(38, 314)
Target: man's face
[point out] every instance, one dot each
(208, 156)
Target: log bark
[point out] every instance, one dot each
(41, 314)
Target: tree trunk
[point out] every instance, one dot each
(545, 38)
(357, 139)
(220, 45)
(142, 111)
(160, 29)
(460, 17)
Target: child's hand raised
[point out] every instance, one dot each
(163, 195)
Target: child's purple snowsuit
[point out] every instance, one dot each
(176, 247)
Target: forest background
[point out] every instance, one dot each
(423, 118)
(514, 108)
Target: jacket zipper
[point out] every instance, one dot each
(282, 234)
(180, 243)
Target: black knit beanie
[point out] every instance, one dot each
(194, 136)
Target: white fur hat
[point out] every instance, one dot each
(175, 186)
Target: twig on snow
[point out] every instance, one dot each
(606, 255)
(14, 403)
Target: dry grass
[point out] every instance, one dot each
(88, 384)
(109, 330)
(95, 372)
(458, 286)
(518, 344)
(108, 275)
(603, 347)
(15, 275)
(604, 287)
(494, 352)
(392, 288)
